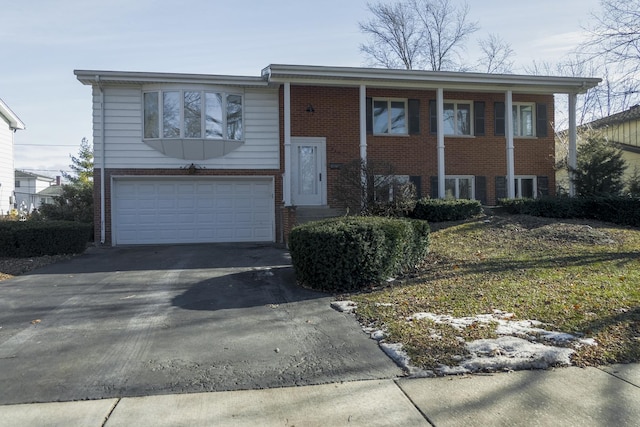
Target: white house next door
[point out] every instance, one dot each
(308, 171)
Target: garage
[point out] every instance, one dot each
(192, 210)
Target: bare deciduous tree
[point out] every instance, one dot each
(445, 28)
(497, 55)
(613, 50)
(396, 40)
(417, 34)
(615, 34)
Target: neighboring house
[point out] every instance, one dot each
(183, 158)
(622, 129)
(34, 189)
(9, 123)
(46, 196)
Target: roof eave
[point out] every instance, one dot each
(96, 77)
(277, 73)
(14, 121)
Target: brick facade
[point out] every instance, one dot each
(335, 116)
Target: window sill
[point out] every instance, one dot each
(391, 135)
(193, 149)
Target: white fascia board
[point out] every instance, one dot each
(12, 118)
(413, 79)
(94, 77)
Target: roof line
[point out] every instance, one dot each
(14, 120)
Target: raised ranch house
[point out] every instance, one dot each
(9, 124)
(183, 158)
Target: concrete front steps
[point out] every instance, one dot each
(306, 214)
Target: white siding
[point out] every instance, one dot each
(6, 166)
(125, 148)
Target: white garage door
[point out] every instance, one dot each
(160, 210)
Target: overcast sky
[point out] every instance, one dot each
(45, 40)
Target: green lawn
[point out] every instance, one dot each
(580, 277)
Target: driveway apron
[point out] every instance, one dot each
(140, 321)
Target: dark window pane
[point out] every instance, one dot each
(192, 115)
(463, 119)
(527, 188)
(171, 115)
(464, 188)
(398, 117)
(151, 114)
(213, 112)
(380, 117)
(234, 117)
(449, 119)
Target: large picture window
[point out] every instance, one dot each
(188, 114)
(390, 116)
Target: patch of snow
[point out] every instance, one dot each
(514, 349)
(384, 304)
(344, 306)
(397, 354)
(377, 335)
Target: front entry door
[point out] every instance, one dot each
(308, 174)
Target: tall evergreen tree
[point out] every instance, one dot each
(599, 169)
(82, 165)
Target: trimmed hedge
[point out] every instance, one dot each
(20, 239)
(619, 210)
(438, 210)
(349, 253)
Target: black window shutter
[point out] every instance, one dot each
(481, 189)
(369, 115)
(543, 185)
(541, 120)
(501, 187)
(478, 110)
(499, 116)
(433, 117)
(414, 116)
(434, 187)
(417, 181)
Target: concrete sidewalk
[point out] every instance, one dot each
(562, 397)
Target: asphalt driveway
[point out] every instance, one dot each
(173, 319)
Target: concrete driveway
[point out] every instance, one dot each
(173, 319)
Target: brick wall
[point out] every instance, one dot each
(336, 117)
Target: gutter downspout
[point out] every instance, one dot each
(362, 117)
(573, 132)
(442, 192)
(102, 162)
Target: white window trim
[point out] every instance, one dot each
(406, 116)
(203, 124)
(516, 119)
(455, 103)
(518, 185)
(472, 178)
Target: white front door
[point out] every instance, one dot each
(308, 171)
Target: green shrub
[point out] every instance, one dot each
(36, 238)
(619, 210)
(346, 254)
(438, 210)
